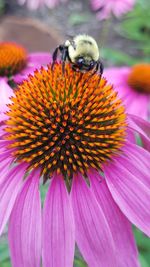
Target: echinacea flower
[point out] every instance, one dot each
(15, 65)
(106, 8)
(133, 86)
(35, 4)
(71, 129)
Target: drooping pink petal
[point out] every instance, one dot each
(1, 129)
(58, 226)
(140, 159)
(5, 161)
(93, 235)
(5, 93)
(131, 136)
(130, 191)
(25, 225)
(120, 227)
(9, 190)
(140, 124)
(142, 127)
(4, 151)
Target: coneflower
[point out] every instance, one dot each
(15, 65)
(71, 130)
(107, 8)
(133, 86)
(35, 4)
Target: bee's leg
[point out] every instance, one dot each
(75, 68)
(63, 58)
(98, 68)
(54, 56)
(101, 67)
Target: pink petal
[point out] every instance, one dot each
(35, 61)
(58, 226)
(9, 190)
(120, 227)
(39, 58)
(131, 136)
(4, 144)
(139, 105)
(93, 235)
(5, 93)
(25, 225)
(31, 4)
(140, 159)
(139, 124)
(134, 102)
(130, 191)
(142, 127)
(5, 165)
(20, 77)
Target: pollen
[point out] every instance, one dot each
(65, 122)
(139, 78)
(13, 58)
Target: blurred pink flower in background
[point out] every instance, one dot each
(35, 4)
(15, 65)
(133, 86)
(69, 131)
(106, 8)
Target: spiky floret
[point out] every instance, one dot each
(65, 122)
(139, 78)
(13, 58)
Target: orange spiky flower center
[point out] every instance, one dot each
(139, 78)
(13, 58)
(65, 122)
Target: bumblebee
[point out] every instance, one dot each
(82, 52)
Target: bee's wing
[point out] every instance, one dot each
(71, 40)
(70, 37)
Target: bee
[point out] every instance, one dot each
(82, 52)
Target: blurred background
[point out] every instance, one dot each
(123, 37)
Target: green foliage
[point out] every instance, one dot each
(78, 262)
(142, 241)
(1, 6)
(117, 57)
(77, 18)
(136, 27)
(4, 253)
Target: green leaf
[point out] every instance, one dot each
(5, 264)
(76, 18)
(142, 240)
(79, 263)
(43, 191)
(136, 24)
(4, 253)
(143, 262)
(117, 57)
